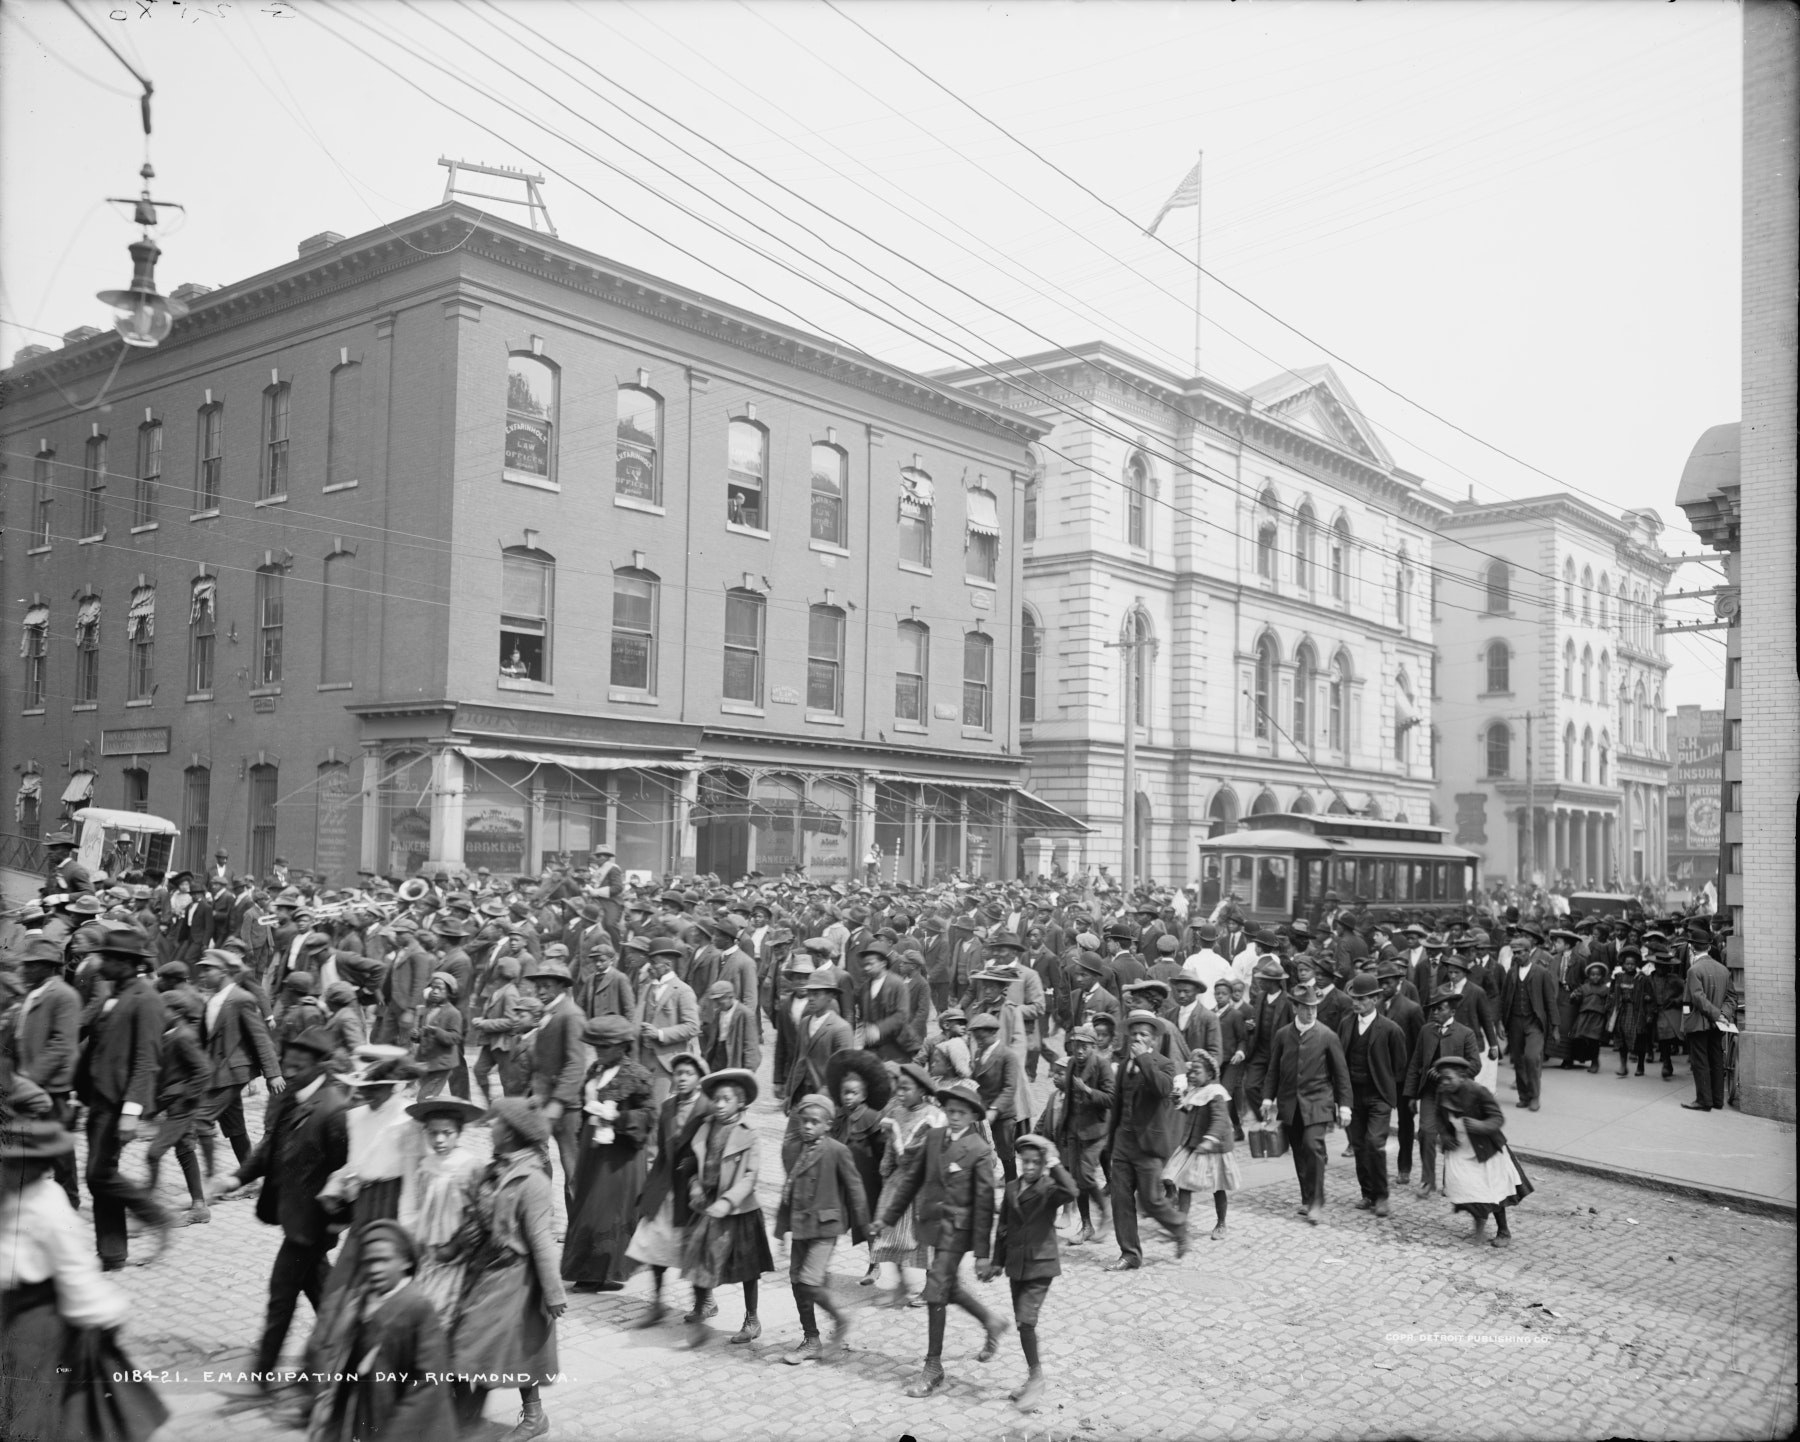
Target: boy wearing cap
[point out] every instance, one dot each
(1000, 1080)
(952, 1176)
(821, 1199)
(1025, 1249)
(947, 1055)
(1085, 1079)
(437, 1036)
(1442, 1036)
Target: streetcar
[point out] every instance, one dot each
(1279, 866)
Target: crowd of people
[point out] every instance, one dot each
(961, 1070)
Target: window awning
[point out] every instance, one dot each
(206, 589)
(984, 513)
(916, 493)
(140, 620)
(36, 619)
(87, 618)
(575, 761)
(31, 787)
(80, 787)
(1030, 812)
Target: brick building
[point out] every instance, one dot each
(1271, 562)
(454, 543)
(1551, 689)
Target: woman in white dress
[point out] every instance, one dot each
(1481, 1175)
(436, 1195)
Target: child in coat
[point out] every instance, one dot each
(1203, 1160)
(1025, 1248)
(724, 1241)
(437, 1038)
(821, 1200)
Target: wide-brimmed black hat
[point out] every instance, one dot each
(865, 1064)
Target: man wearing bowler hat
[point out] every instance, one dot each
(1311, 1087)
(668, 1017)
(559, 1061)
(1375, 1056)
(1144, 1128)
(1528, 1012)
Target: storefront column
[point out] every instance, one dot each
(370, 845)
(962, 833)
(686, 841)
(533, 859)
(865, 828)
(924, 843)
(447, 803)
(612, 811)
(1037, 857)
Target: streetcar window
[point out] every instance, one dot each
(1440, 881)
(1209, 882)
(1272, 883)
(1365, 880)
(1421, 881)
(1312, 885)
(1459, 880)
(1388, 883)
(1343, 878)
(1237, 877)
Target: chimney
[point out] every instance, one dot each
(324, 240)
(29, 353)
(80, 333)
(190, 290)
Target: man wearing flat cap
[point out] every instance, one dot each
(559, 1061)
(667, 1015)
(884, 1006)
(822, 1034)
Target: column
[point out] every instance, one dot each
(612, 810)
(1037, 857)
(1559, 840)
(962, 832)
(534, 827)
(1609, 849)
(447, 805)
(374, 858)
(1597, 849)
(925, 851)
(865, 830)
(687, 843)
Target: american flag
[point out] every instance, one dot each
(1187, 193)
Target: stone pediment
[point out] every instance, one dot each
(1313, 399)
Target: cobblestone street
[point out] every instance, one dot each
(1618, 1312)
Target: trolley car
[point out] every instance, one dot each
(1278, 867)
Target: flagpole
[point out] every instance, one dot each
(1198, 215)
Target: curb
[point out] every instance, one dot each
(1721, 1196)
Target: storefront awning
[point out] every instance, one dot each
(1032, 812)
(80, 787)
(575, 761)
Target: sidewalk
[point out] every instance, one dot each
(1634, 1128)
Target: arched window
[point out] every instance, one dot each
(1034, 489)
(137, 789)
(917, 499)
(981, 547)
(1305, 667)
(1338, 702)
(1265, 804)
(1028, 668)
(978, 681)
(1405, 718)
(1499, 750)
(1499, 588)
(637, 458)
(1223, 812)
(1587, 595)
(1605, 758)
(149, 473)
(527, 595)
(1338, 807)
(1265, 688)
(1568, 769)
(1656, 723)
(1499, 668)
(1568, 668)
(825, 661)
(1587, 756)
(530, 418)
(343, 438)
(140, 638)
(1605, 601)
(1638, 712)
(265, 792)
(1268, 507)
(746, 475)
(278, 402)
(635, 604)
(1587, 673)
(1403, 580)
(1137, 490)
(1303, 805)
(1340, 560)
(1138, 630)
(1306, 539)
(912, 664)
(1569, 588)
(1604, 695)
(830, 495)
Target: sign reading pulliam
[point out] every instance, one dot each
(135, 741)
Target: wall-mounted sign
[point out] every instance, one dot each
(784, 695)
(135, 741)
(981, 600)
(944, 710)
(262, 705)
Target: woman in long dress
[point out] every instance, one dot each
(663, 1211)
(899, 1252)
(435, 1198)
(1481, 1175)
(505, 1324)
(617, 1115)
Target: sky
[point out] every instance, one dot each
(1512, 228)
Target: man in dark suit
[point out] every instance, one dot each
(1443, 1035)
(822, 1034)
(559, 1061)
(238, 1046)
(1409, 1016)
(116, 1079)
(1270, 1011)
(1375, 1055)
(44, 1041)
(304, 1141)
(1706, 1002)
(1085, 1080)
(1194, 1019)
(884, 1005)
(952, 1178)
(1000, 1078)
(1528, 1011)
(1144, 1127)
(1310, 1085)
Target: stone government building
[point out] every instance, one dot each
(452, 543)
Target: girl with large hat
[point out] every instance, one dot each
(435, 1197)
(726, 1242)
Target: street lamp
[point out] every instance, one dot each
(140, 315)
